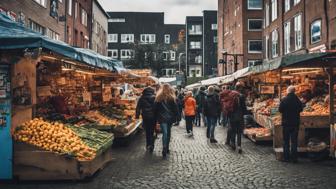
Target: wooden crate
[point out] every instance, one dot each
(31, 163)
(307, 122)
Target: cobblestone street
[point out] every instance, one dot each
(195, 163)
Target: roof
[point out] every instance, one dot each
(14, 35)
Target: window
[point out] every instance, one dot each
(254, 4)
(315, 31)
(37, 27)
(254, 46)
(147, 38)
(198, 59)
(195, 30)
(165, 55)
(52, 34)
(126, 53)
(84, 17)
(127, 38)
(195, 44)
(274, 9)
(253, 62)
(172, 55)
(298, 31)
(113, 53)
(296, 2)
(42, 2)
(116, 20)
(267, 16)
(167, 39)
(266, 46)
(214, 26)
(215, 40)
(255, 24)
(287, 37)
(113, 38)
(69, 7)
(76, 9)
(275, 43)
(287, 5)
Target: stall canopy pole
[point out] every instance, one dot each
(330, 71)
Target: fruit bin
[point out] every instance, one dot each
(34, 164)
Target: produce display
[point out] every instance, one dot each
(258, 132)
(54, 137)
(268, 107)
(315, 107)
(100, 119)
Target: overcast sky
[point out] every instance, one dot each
(175, 10)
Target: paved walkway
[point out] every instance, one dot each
(195, 163)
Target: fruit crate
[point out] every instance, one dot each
(33, 164)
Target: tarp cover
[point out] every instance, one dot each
(14, 35)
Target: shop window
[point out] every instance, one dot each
(315, 31)
(255, 24)
(254, 46)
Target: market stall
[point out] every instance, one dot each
(48, 92)
(312, 76)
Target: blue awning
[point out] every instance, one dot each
(14, 35)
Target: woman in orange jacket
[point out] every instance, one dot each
(189, 112)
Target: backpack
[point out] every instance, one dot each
(229, 101)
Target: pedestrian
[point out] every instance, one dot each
(166, 113)
(211, 111)
(189, 112)
(224, 95)
(180, 104)
(145, 107)
(290, 108)
(200, 99)
(235, 108)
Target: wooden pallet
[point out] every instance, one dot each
(31, 163)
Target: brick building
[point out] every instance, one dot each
(143, 40)
(298, 27)
(43, 16)
(79, 22)
(240, 24)
(99, 28)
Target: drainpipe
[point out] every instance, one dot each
(327, 22)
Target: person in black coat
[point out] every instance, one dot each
(166, 113)
(145, 107)
(290, 108)
(211, 111)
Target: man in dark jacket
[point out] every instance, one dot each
(236, 118)
(145, 106)
(180, 104)
(290, 108)
(211, 112)
(200, 99)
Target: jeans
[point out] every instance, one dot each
(149, 125)
(189, 122)
(211, 124)
(166, 132)
(198, 118)
(290, 138)
(236, 130)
